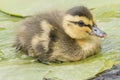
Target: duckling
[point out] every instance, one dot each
(58, 36)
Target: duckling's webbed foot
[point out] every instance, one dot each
(42, 54)
(43, 59)
(57, 61)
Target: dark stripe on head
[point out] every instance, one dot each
(80, 11)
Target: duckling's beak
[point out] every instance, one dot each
(96, 31)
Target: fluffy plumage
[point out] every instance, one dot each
(59, 36)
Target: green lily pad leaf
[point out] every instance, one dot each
(107, 11)
(30, 7)
(18, 66)
(23, 69)
(23, 72)
(1, 28)
(6, 17)
(15, 66)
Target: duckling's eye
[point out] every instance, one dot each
(80, 23)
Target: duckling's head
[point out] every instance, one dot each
(78, 23)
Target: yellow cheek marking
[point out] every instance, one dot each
(86, 29)
(72, 31)
(75, 31)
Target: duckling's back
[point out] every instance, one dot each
(42, 36)
(37, 34)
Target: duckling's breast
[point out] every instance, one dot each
(74, 51)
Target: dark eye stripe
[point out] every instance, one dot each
(88, 26)
(73, 22)
(81, 24)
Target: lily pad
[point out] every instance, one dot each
(107, 11)
(30, 7)
(7, 17)
(18, 66)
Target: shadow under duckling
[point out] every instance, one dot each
(60, 36)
